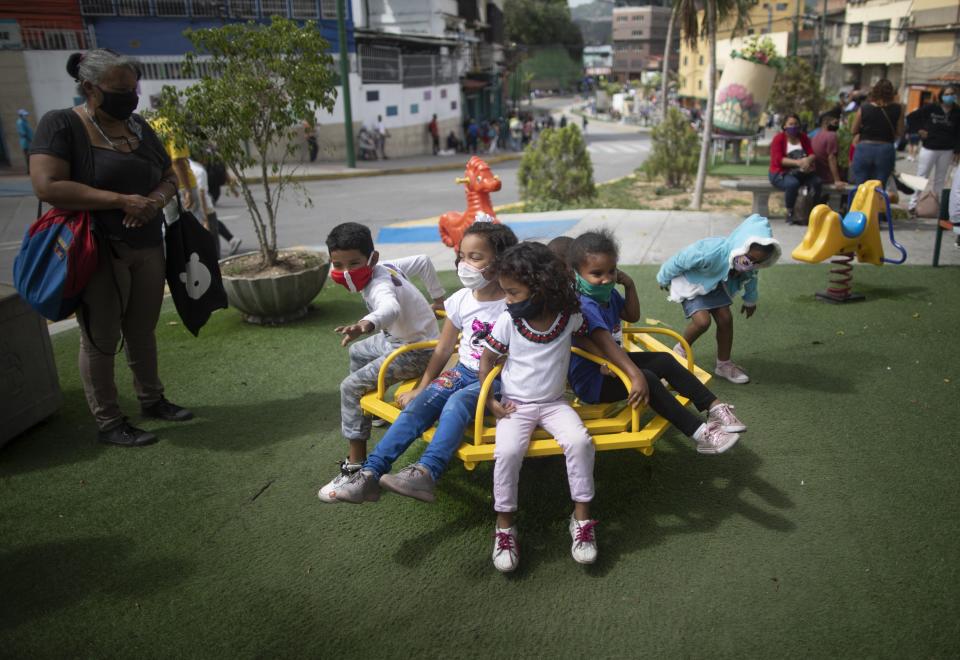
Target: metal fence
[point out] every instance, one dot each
(379, 63)
(383, 64)
(302, 9)
(55, 37)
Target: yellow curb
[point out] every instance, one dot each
(359, 174)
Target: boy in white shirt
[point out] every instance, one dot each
(398, 314)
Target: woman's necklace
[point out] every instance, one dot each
(113, 142)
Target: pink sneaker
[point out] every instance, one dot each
(732, 372)
(722, 414)
(712, 439)
(678, 349)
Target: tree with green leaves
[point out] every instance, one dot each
(674, 154)
(797, 89)
(543, 23)
(261, 82)
(556, 170)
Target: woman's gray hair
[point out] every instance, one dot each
(93, 65)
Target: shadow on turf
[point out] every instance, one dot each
(40, 580)
(641, 502)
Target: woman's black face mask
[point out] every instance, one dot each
(119, 105)
(526, 309)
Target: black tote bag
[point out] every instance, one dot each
(193, 272)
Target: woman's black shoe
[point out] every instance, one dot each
(165, 410)
(127, 435)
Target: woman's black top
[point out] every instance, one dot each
(873, 125)
(61, 133)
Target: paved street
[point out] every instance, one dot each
(376, 201)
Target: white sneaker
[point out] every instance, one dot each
(347, 470)
(506, 553)
(584, 535)
(722, 413)
(678, 349)
(712, 439)
(234, 245)
(732, 372)
(379, 422)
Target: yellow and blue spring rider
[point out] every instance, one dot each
(856, 234)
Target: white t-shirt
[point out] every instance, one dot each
(200, 174)
(475, 319)
(536, 366)
(396, 306)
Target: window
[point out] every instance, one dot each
(839, 31)
(853, 36)
(97, 7)
(427, 95)
(750, 31)
(638, 33)
(373, 95)
(902, 30)
(453, 105)
(701, 59)
(379, 63)
(684, 60)
(781, 6)
(699, 84)
(392, 111)
(243, 8)
(211, 8)
(303, 8)
(273, 7)
(328, 9)
(414, 108)
(878, 32)
(171, 7)
(443, 94)
(134, 7)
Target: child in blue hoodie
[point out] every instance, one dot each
(705, 277)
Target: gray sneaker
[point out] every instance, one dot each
(361, 487)
(413, 481)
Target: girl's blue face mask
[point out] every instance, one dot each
(599, 292)
(949, 99)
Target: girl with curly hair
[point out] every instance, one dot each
(534, 335)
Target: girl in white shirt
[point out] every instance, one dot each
(535, 335)
(451, 396)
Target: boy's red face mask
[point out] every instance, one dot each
(356, 279)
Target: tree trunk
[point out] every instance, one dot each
(708, 115)
(665, 82)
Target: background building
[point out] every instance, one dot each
(932, 52)
(639, 40)
(876, 41)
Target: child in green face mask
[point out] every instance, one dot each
(593, 257)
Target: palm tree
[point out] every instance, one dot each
(665, 76)
(691, 29)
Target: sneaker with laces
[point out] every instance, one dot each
(678, 349)
(412, 481)
(506, 553)
(126, 435)
(722, 414)
(732, 372)
(166, 410)
(584, 535)
(379, 423)
(234, 245)
(347, 470)
(712, 439)
(361, 487)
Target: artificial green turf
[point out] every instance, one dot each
(830, 530)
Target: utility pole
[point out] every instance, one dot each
(796, 29)
(345, 81)
(822, 41)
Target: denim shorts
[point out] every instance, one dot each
(713, 300)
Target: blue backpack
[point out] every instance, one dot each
(56, 260)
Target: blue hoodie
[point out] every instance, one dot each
(699, 268)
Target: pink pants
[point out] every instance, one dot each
(513, 438)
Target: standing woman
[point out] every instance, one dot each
(938, 125)
(876, 129)
(102, 158)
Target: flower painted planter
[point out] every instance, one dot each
(742, 96)
(275, 299)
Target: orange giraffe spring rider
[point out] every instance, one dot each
(480, 182)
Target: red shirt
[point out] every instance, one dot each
(825, 144)
(778, 150)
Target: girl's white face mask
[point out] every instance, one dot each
(471, 277)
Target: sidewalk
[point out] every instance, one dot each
(650, 237)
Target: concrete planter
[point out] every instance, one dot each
(29, 388)
(276, 298)
(742, 96)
